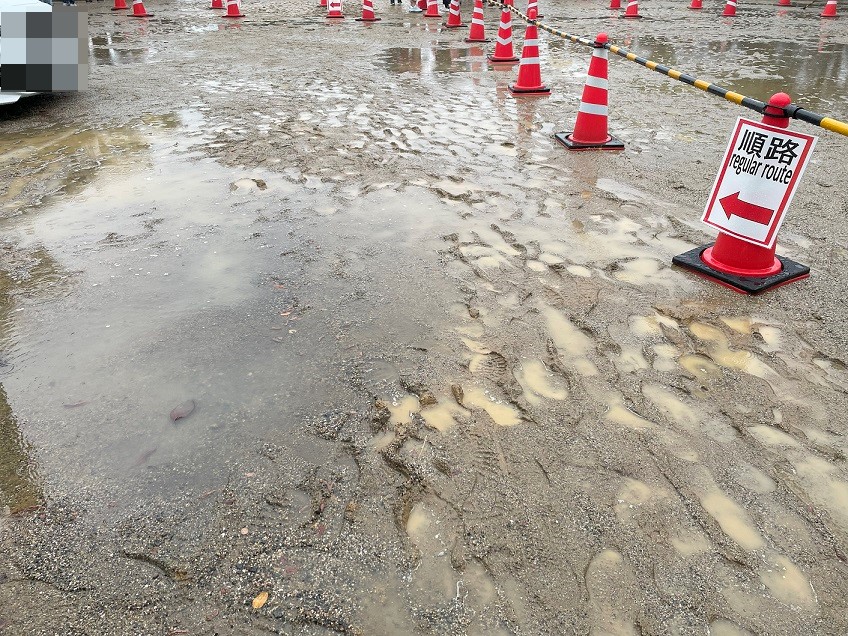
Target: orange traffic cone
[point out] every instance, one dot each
(829, 9)
(730, 8)
(422, 4)
(529, 74)
(503, 47)
(477, 33)
(454, 16)
(217, 4)
(233, 10)
(738, 264)
(368, 12)
(323, 3)
(120, 5)
(615, 4)
(590, 130)
(632, 10)
(334, 9)
(784, 3)
(432, 9)
(138, 10)
(696, 4)
(534, 4)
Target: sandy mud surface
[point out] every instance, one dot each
(314, 329)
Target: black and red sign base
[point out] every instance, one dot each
(790, 271)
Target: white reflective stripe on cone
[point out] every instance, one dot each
(505, 41)
(593, 109)
(505, 25)
(476, 21)
(529, 60)
(597, 82)
(531, 42)
(602, 53)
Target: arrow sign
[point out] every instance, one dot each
(734, 206)
(756, 181)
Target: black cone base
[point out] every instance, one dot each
(612, 144)
(790, 271)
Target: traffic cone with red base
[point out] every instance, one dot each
(368, 12)
(432, 9)
(529, 73)
(590, 130)
(730, 9)
(334, 9)
(454, 16)
(738, 264)
(534, 4)
(422, 4)
(217, 4)
(829, 9)
(784, 3)
(120, 5)
(504, 53)
(233, 10)
(477, 32)
(615, 4)
(696, 4)
(138, 10)
(632, 10)
(323, 3)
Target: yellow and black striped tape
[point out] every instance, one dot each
(796, 112)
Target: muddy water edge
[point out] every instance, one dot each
(320, 311)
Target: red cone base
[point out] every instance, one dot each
(696, 4)
(120, 5)
(615, 4)
(784, 3)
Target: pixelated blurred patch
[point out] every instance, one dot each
(44, 51)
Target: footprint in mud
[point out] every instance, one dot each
(499, 411)
(613, 596)
(572, 343)
(718, 347)
(490, 366)
(538, 382)
(786, 582)
(733, 520)
(724, 627)
(434, 578)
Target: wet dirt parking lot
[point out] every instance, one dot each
(312, 328)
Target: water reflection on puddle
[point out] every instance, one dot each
(432, 60)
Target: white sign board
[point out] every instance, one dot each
(757, 180)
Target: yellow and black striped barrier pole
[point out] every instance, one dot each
(793, 111)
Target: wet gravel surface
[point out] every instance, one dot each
(444, 378)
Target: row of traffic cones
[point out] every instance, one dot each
(139, 11)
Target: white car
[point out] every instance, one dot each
(18, 5)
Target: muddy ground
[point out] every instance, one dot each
(445, 378)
